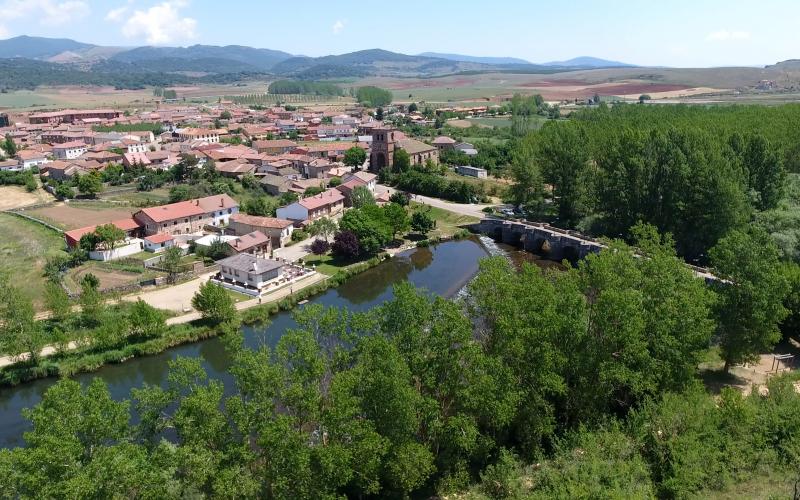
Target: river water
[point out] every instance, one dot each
(443, 269)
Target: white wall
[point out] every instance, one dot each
(295, 211)
(133, 246)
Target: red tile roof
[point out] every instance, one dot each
(159, 238)
(267, 222)
(74, 236)
(329, 197)
(173, 211)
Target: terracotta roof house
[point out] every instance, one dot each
(235, 168)
(73, 237)
(187, 217)
(443, 142)
(327, 204)
(70, 150)
(254, 243)
(158, 242)
(276, 147)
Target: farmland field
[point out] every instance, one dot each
(25, 250)
(72, 217)
(18, 196)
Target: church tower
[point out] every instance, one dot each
(382, 154)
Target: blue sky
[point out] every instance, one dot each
(682, 33)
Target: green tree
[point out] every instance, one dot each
(90, 300)
(171, 263)
(361, 196)
(355, 157)
(564, 157)
(323, 227)
(109, 235)
(90, 184)
(751, 294)
(20, 333)
(401, 162)
(370, 227)
(261, 206)
(145, 320)
(57, 301)
(214, 303)
(379, 114)
(422, 222)
(398, 218)
(399, 198)
(9, 146)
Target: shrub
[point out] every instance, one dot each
(345, 244)
(501, 479)
(319, 247)
(299, 235)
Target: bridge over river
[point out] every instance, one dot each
(553, 243)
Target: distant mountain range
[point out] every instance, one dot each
(588, 62)
(32, 61)
(475, 59)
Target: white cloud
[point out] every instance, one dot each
(48, 12)
(725, 36)
(338, 26)
(159, 24)
(116, 15)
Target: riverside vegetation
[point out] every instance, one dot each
(591, 373)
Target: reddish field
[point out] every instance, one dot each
(556, 83)
(640, 88)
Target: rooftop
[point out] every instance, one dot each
(250, 264)
(267, 222)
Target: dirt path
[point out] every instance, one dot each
(17, 197)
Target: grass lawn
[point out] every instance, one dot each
(236, 296)
(447, 222)
(491, 185)
(328, 264)
(24, 251)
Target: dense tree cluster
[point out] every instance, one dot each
(373, 97)
(694, 172)
(305, 87)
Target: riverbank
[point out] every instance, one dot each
(443, 270)
(70, 359)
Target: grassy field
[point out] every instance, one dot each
(24, 251)
(157, 196)
(447, 223)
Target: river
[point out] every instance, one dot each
(443, 269)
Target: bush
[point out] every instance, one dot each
(299, 235)
(346, 245)
(319, 247)
(501, 479)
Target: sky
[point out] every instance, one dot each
(680, 33)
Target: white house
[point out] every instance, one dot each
(158, 242)
(472, 171)
(327, 204)
(70, 150)
(29, 158)
(368, 179)
(248, 271)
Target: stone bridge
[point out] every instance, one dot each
(542, 239)
(553, 243)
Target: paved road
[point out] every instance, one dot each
(294, 252)
(471, 209)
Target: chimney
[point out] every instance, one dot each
(221, 201)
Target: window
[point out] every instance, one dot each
(186, 220)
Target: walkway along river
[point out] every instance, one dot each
(443, 269)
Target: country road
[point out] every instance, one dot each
(471, 209)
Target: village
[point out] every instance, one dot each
(277, 176)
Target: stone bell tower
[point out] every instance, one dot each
(382, 153)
